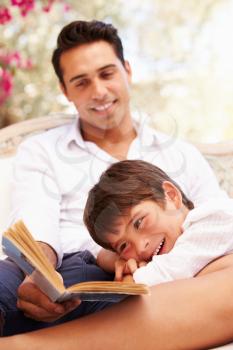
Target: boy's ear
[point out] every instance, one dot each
(172, 193)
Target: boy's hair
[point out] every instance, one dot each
(122, 186)
(84, 32)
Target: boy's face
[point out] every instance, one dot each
(148, 230)
(96, 81)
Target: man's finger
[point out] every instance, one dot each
(29, 293)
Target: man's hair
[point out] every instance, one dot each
(84, 32)
(122, 186)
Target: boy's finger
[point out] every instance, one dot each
(132, 265)
(119, 269)
(128, 278)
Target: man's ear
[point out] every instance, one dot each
(128, 70)
(172, 193)
(64, 91)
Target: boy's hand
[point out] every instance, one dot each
(128, 278)
(123, 267)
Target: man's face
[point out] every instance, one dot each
(96, 81)
(147, 230)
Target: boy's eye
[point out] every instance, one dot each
(137, 223)
(122, 247)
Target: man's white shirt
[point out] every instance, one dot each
(54, 171)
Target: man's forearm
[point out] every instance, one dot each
(49, 252)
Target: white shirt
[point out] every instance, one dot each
(208, 234)
(54, 171)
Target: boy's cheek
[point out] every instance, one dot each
(129, 255)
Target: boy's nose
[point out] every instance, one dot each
(142, 248)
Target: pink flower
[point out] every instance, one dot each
(11, 59)
(6, 85)
(17, 2)
(24, 5)
(5, 15)
(67, 7)
(27, 6)
(48, 7)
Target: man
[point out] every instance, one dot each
(55, 170)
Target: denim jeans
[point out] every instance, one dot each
(75, 268)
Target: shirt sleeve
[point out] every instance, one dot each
(201, 243)
(203, 184)
(35, 195)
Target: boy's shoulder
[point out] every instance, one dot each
(216, 209)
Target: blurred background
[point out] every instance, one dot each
(181, 53)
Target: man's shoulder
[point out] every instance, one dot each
(170, 139)
(50, 136)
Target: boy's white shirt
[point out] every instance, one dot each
(208, 234)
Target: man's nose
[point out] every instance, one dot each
(99, 90)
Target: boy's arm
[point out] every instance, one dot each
(106, 259)
(113, 263)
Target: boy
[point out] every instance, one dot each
(139, 212)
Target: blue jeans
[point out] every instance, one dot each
(75, 268)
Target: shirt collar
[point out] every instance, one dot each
(145, 134)
(74, 134)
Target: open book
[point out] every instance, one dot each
(21, 247)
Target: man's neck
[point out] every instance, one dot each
(115, 141)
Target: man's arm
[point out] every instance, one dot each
(188, 314)
(36, 200)
(36, 195)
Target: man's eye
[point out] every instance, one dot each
(107, 74)
(137, 223)
(81, 84)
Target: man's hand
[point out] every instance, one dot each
(123, 267)
(36, 305)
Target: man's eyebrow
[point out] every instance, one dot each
(106, 67)
(76, 77)
(80, 76)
